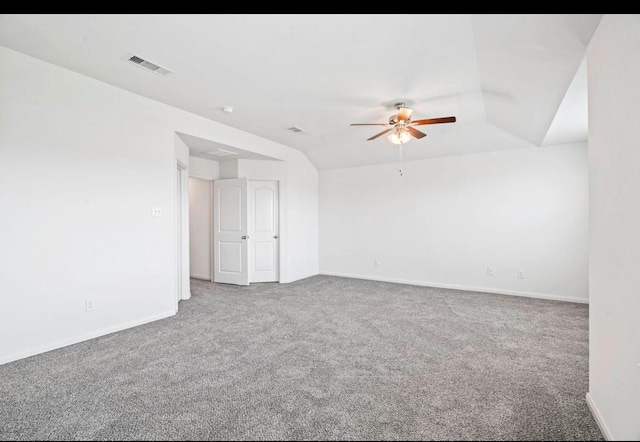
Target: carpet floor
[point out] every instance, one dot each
(324, 358)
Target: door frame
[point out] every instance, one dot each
(211, 242)
(181, 191)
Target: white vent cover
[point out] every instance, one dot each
(221, 153)
(146, 64)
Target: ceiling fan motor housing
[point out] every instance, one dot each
(393, 119)
(401, 123)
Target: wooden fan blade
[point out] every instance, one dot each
(404, 113)
(433, 121)
(415, 132)
(368, 124)
(380, 134)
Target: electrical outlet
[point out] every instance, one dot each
(489, 271)
(156, 211)
(376, 263)
(521, 274)
(90, 305)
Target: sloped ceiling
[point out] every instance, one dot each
(511, 80)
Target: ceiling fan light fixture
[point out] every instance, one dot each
(403, 127)
(400, 137)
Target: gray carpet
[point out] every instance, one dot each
(325, 358)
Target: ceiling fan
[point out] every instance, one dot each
(401, 126)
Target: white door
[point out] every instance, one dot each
(263, 231)
(230, 237)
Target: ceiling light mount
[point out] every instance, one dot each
(227, 109)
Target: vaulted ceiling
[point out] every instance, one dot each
(511, 80)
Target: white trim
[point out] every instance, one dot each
(300, 278)
(201, 177)
(212, 264)
(463, 287)
(598, 418)
(182, 237)
(83, 337)
(283, 236)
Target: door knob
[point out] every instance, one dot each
(275, 236)
(245, 236)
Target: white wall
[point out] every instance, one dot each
(447, 219)
(204, 169)
(614, 226)
(200, 224)
(83, 165)
(262, 169)
(228, 169)
(302, 222)
(181, 214)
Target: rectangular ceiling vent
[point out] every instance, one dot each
(147, 65)
(295, 129)
(221, 153)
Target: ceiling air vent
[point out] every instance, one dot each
(221, 153)
(147, 65)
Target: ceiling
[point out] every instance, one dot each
(210, 150)
(511, 80)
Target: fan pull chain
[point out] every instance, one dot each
(401, 144)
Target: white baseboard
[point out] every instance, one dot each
(598, 418)
(297, 278)
(463, 287)
(205, 277)
(84, 337)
